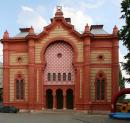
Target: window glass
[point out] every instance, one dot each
(102, 89)
(64, 76)
(98, 89)
(59, 76)
(54, 76)
(69, 76)
(19, 89)
(49, 76)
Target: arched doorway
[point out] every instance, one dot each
(116, 96)
(49, 99)
(69, 99)
(59, 98)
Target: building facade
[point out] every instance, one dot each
(1, 75)
(61, 68)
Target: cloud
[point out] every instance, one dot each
(31, 17)
(25, 8)
(79, 18)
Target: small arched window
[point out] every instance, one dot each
(100, 86)
(69, 76)
(54, 76)
(19, 89)
(64, 76)
(49, 76)
(59, 76)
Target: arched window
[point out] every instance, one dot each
(100, 86)
(64, 76)
(54, 76)
(69, 76)
(19, 89)
(49, 76)
(59, 76)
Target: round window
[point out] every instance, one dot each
(100, 57)
(59, 55)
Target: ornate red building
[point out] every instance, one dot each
(61, 68)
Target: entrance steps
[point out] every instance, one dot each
(58, 111)
(67, 111)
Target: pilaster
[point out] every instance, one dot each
(6, 83)
(31, 74)
(86, 69)
(115, 62)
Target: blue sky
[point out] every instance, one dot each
(105, 12)
(15, 14)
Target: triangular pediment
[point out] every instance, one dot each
(59, 25)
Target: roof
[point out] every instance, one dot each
(97, 29)
(22, 34)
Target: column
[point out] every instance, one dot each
(31, 74)
(115, 67)
(54, 101)
(5, 73)
(64, 101)
(86, 71)
(115, 62)
(77, 88)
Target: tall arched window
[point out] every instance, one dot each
(19, 89)
(59, 76)
(69, 76)
(64, 76)
(100, 86)
(54, 76)
(49, 76)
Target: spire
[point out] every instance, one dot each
(115, 30)
(6, 35)
(87, 29)
(59, 12)
(31, 31)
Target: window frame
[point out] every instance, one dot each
(69, 76)
(59, 76)
(20, 92)
(64, 77)
(54, 76)
(99, 98)
(49, 77)
(19, 78)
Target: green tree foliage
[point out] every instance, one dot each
(121, 81)
(124, 34)
(122, 85)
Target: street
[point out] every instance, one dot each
(59, 117)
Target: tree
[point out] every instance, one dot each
(121, 80)
(124, 34)
(121, 85)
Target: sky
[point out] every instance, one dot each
(15, 14)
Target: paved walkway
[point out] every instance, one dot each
(51, 117)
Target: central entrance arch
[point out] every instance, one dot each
(69, 98)
(59, 98)
(49, 99)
